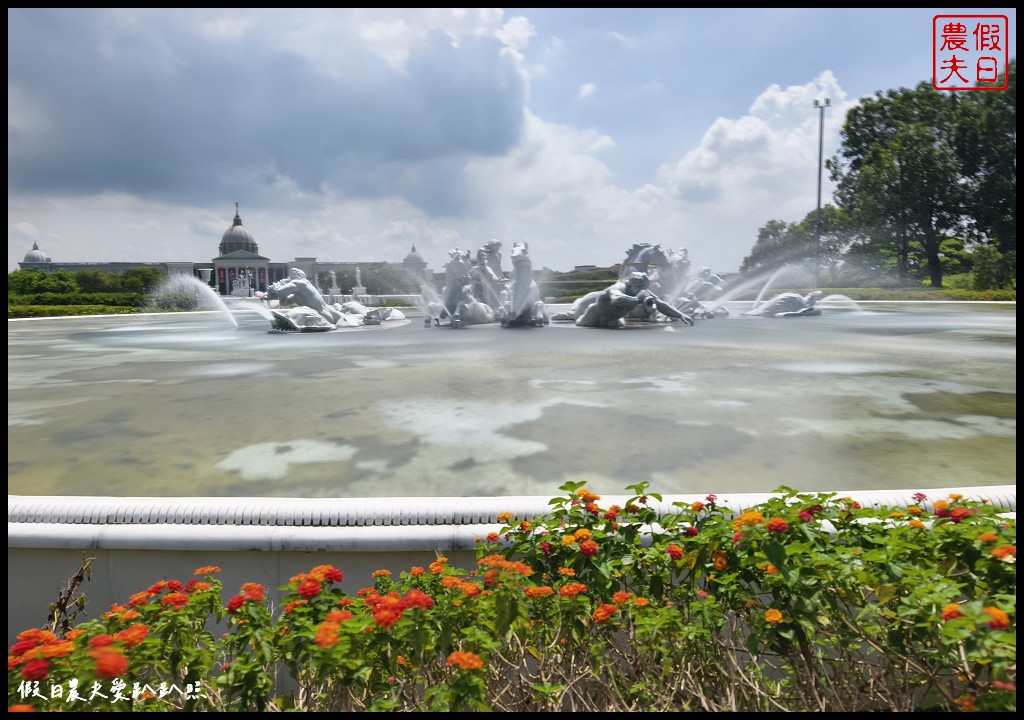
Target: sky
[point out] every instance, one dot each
(352, 135)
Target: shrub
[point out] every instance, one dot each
(806, 602)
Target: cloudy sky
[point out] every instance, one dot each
(353, 134)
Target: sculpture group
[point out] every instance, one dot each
(302, 308)
(654, 286)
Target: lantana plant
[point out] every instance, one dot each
(806, 602)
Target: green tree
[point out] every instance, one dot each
(898, 176)
(98, 281)
(26, 282)
(985, 141)
(141, 279)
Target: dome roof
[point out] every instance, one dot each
(237, 237)
(35, 255)
(413, 257)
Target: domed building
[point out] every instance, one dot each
(414, 264)
(238, 269)
(35, 255)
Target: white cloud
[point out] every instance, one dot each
(586, 90)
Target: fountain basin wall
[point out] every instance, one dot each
(138, 541)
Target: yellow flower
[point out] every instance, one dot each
(772, 616)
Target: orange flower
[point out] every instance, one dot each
(450, 582)
(132, 635)
(327, 634)
(56, 650)
(621, 596)
(417, 571)
(697, 506)
(772, 616)
(916, 524)
(721, 562)
(493, 537)
(327, 573)
(749, 518)
(572, 589)
(675, 552)
(588, 548)
(504, 517)
(1006, 553)
(381, 573)
(641, 602)
(1000, 620)
(207, 570)
(469, 589)
(568, 540)
(603, 612)
(110, 663)
(539, 591)
(965, 703)
(988, 537)
(254, 592)
(21, 708)
(175, 599)
(567, 572)
(465, 660)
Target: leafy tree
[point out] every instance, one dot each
(97, 281)
(27, 282)
(141, 279)
(985, 141)
(899, 175)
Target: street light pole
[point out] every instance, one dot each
(821, 105)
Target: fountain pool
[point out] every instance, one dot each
(862, 397)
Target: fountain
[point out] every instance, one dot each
(163, 442)
(185, 292)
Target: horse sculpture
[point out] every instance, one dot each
(457, 301)
(522, 305)
(488, 278)
(788, 304)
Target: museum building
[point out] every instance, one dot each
(238, 264)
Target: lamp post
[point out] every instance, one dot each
(821, 105)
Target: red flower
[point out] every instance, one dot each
(951, 612)
(604, 612)
(309, 589)
(235, 604)
(35, 670)
(417, 599)
(173, 585)
(588, 548)
(675, 552)
(545, 547)
(958, 514)
(777, 525)
(691, 532)
(101, 641)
